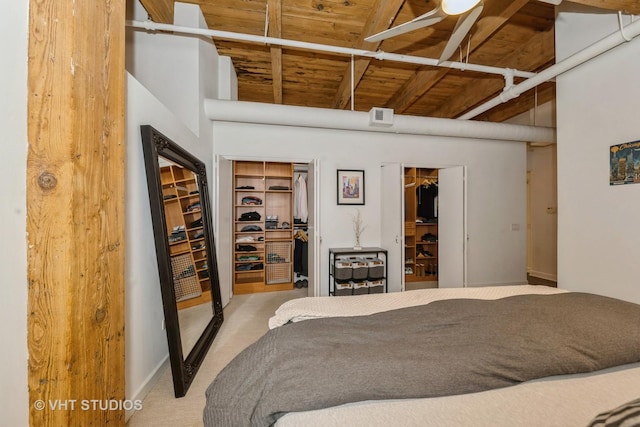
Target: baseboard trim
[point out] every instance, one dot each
(545, 276)
(146, 386)
(483, 285)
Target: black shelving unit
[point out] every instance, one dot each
(336, 253)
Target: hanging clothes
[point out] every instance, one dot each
(426, 196)
(300, 206)
(301, 253)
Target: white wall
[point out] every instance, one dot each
(171, 66)
(169, 78)
(597, 106)
(496, 185)
(14, 396)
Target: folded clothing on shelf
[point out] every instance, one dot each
(177, 234)
(250, 266)
(250, 216)
(251, 200)
(193, 207)
(429, 237)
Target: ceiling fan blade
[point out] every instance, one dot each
(464, 24)
(556, 2)
(434, 16)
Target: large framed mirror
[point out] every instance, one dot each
(185, 250)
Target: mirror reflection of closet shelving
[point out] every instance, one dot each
(186, 236)
(420, 224)
(263, 233)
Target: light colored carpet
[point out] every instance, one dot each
(245, 320)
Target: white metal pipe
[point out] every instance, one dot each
(328, 118)
(603, 45)
(226, 35)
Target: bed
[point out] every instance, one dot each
(493, 356)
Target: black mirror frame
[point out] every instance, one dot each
(156, 145)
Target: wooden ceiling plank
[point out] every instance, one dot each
(537, 52)
(382, 16)
(496, 14)
(626, 6)
(160, 11)
(546, 92)
(275, 30)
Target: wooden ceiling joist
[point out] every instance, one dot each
(497, 13)
(539, 48)
(383, 14)
(160, 11)
(626, 6)
(282, 75)
(275, 30)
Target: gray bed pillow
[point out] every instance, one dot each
(627, 415)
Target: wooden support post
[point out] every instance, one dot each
(75, 212)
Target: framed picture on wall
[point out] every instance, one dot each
(624, 166)
(350, 187)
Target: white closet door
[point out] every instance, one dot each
(392, 223)
(451, 228)
(223, 223)
(314, 251)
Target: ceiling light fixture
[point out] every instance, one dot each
(457, 7)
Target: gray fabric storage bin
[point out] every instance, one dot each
(360, 288)
(360, 269)
(343, 270)
(376, 268)
(343, 288)
(375, 286)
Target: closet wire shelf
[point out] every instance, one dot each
(278, 262)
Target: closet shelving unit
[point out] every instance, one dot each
(187, 249)
(270, 266)
(421, 235)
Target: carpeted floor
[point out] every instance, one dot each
(245, 320)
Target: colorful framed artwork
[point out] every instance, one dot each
(350, 187)
(624, 163)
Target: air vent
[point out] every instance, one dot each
(381, 116)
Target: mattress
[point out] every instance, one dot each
(476, 356)
(562, 401)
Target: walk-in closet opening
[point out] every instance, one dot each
(266, 213)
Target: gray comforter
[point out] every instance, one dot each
(443, 348)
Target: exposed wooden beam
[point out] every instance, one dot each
(415, 87)
(495, 15)
(75, 211)
(544, 93)
(626, 6)
(382, 15)
(538, 51)
(275, 30)
(159, 10)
